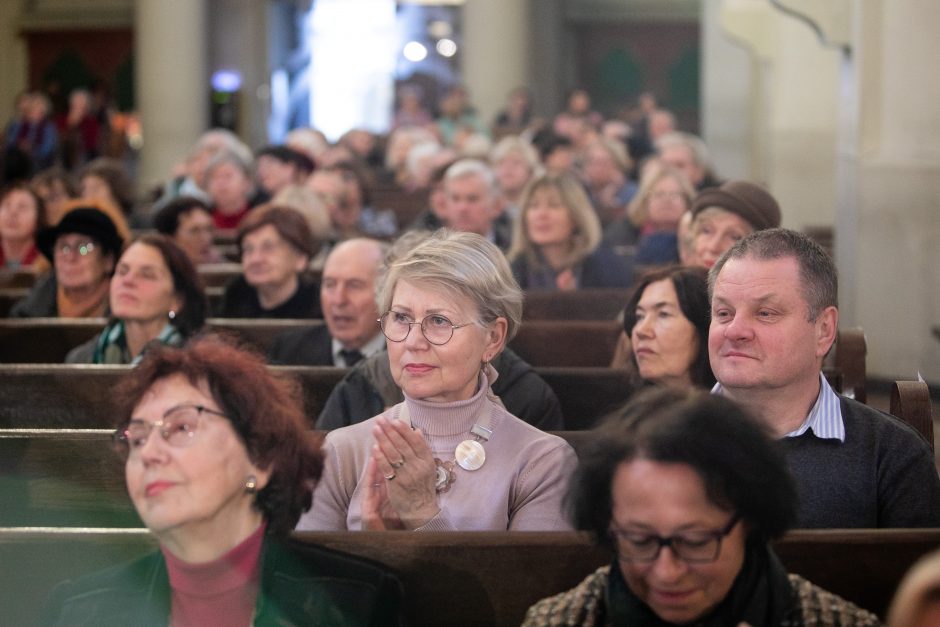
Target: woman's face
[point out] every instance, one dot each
(269, 260)
(547, 219)
(448, 372)
(194, 235)
(78, 265)
(665, 343)
(142, 286)
(715, 231)
(666, 203)
(55, 196)
(197, 491)
(19, 216)
(668, 499)
(95, 188)
(512, 173)
(229, 187)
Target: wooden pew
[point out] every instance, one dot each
(404, 204)
(910, 401)
(9, 296)
(848, 356)
(488, 578)
(57, 396)
(586, 304)
(575, 343)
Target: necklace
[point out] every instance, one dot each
(469, 454)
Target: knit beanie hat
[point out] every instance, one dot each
(747, 200)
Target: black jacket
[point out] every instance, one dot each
(311, 346)
(240, 300)
(40, 302)
(368, 389)
(301, 584)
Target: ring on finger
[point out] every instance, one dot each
(398, 464)
(389, 477)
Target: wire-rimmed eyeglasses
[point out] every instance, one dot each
(693, 547)
(437, 329)
(177, 427)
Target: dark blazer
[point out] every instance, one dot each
(303, 347)
(602, 268)
(240, 300)
(301, 584)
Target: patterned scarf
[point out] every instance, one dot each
(111, 347)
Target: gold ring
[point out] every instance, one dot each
(390, 477)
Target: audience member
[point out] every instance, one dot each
(370, 389)
(604, 171)
(556, 153)
(190, 179)
(687, 491)
(666, 320)
(724, 215)
(457, 115)
(219, 466)
(82, 248)
(472, 205)
(688, 154)
(228, 181)
(187, 220)
(280, 166)
(556, 240)
(410, 110)
(79, 131)
(652, 221)
(347, 297)
(449, 457)
(56, 188)
(774, 317)
(156, 298)
(516, 116)
(917, 600)
(275, 246)
(106, 180)
(22, 215)
(432, 218)
(515, 162)
(578, 109)
(33, 131)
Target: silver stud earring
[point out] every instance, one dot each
(251, 484)
(171, 314)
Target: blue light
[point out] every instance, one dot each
(226, 80)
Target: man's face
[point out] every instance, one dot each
(470, 205)
(681, 158)
(347, 293)
(760, 337)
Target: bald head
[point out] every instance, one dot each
(347, 292)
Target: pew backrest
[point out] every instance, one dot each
(456, 578)
(910, 401)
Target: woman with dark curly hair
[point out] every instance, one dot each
(687, 491)
(219, 467)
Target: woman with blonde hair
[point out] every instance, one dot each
(555, 243)
(653, 216)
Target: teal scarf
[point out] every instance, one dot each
(111, 347)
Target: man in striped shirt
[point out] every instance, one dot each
(774, 317)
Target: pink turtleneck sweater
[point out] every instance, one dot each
(220, 592)
(520, 487)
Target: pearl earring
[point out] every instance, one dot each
(251, 484)
(171, 315)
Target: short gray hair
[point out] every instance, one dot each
(819, 280)
(461, 264)
(695, 145)
(472, 167)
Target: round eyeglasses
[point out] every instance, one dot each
(177, 427)
(437, 329)
(693, 547)
(82, 249)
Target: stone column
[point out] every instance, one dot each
(888, 216)
(13, 52)
(495, 52)
(172, 83)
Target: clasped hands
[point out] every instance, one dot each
(400, 475)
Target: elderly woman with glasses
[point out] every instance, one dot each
(450, 457)
(687, 491)
(219, 466)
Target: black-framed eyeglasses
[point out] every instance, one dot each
(177, 427)
(437, 329)
(693, 547)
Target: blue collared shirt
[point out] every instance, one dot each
(825, 418)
